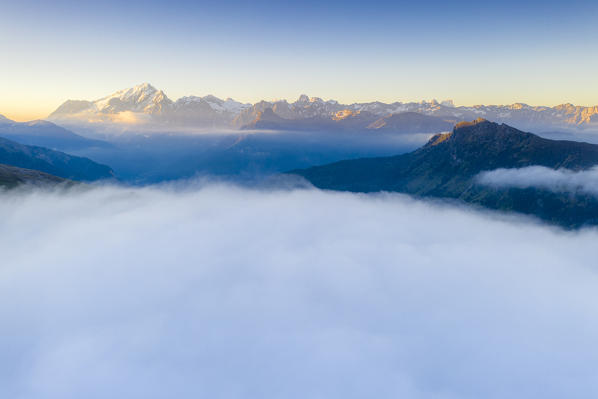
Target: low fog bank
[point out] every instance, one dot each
(561, 180)
(221, 292)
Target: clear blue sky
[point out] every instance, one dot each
(538, 52)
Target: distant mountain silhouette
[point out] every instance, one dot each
(46, 134)
(448, 164)
(267, 119)
(145, 105)
(52, 162)
(412, 122)
(346, 120)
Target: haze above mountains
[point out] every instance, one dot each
(145, 107)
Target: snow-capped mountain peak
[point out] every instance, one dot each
(146, 104)
(448, 103)
(143, 98)
(303, 98)
(216, 104)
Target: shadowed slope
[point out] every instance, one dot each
(53, 162)
(46, 134)
(447, 165)
(11, 177)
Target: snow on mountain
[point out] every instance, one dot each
(144, 104)
(142, 98)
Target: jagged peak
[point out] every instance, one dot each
(477, 121)
(145, 98)
(212, 98)
(303, 98)
(520, 106)
(144, 86)
(142, 97)
(484, 131)
(448, 103)
(267, 114)
(142, 90)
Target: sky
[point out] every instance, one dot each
(474, 52)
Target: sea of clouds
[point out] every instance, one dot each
(217, 291)
(557, 180)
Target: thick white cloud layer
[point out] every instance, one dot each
(561, 180)
(221, 292)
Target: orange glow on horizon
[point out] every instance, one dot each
(24, 115)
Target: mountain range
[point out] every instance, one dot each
(52, 162)
(447, 166)
(45, 134)
(146, 106)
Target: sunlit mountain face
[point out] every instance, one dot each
(146, 106)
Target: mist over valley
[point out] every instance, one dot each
(179, 219)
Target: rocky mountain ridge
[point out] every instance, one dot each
(447, 166)
(146, 105)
